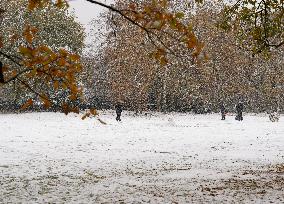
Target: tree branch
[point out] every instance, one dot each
(277, 45)
(10, 58)
(119, 12)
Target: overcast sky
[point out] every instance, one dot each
(86, 11)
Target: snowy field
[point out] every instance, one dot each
(159, 158)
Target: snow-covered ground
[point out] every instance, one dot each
(158, 158)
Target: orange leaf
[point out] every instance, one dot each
(93, 111)
(27, 104)
(5, 68)
(65, 108)
(56, 85)
(61, 62)
(163, 61)
(29, 34)
(85, 116)
(46, 102)
(72, 97)
(75, 110)
(14, 38)
(61, 4)
(32, 4)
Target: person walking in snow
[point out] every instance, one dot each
(239, 108)
(1, 73)
(118, 110)
(223, 111)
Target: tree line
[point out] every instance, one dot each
(224, 72)
(155, 55)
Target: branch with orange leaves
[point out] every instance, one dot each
(151, 18)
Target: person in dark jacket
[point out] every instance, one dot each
(1, 73)
(239, 108)
(223, 111)
(118, 110)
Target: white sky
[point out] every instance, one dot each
(86, 11)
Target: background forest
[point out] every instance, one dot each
(129, 66)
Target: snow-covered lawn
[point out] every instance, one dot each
(162, 158)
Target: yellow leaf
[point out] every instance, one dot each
(74, 57)
(64, 86)
(179, 15)
(25, 51)
(63, 52)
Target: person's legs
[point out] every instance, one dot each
(118, 117)
(238, 116)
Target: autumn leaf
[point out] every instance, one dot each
(86, 115)
(27, 104)
(32, 4)
(26, 51)
(65, 108)
(132, 6)
(61, 4)
(179, 15)
(93, 111)
(75, 110)
(73, 97)
(61, 62)
(46, 102)
(56, 85)
(14, 38)
(28, 35)
(192, 42)
(74, 57)
(164, 61)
